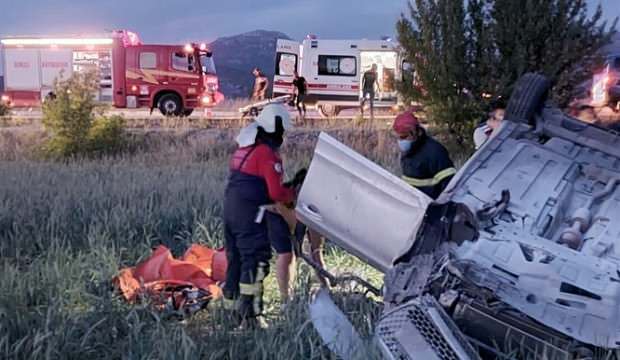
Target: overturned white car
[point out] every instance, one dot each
(520, 254)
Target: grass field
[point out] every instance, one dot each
(67, 228)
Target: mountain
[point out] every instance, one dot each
(236, 56)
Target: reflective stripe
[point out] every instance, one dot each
(230, 304)
(250, 289)
(439, 177)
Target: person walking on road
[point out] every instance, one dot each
(261, 83)
(425, 163)
(369, 84)
(301, 89)
(255, 181)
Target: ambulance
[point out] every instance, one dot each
(334, 70)
(175, 79)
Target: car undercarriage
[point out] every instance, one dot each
(519, 257)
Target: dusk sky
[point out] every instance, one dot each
(182, 20)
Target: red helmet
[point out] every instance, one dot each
(405, 123)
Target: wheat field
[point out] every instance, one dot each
(66, 228)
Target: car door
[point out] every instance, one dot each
(287, 61)
(358, 205)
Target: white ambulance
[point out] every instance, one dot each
(334, 70)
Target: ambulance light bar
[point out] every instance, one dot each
(101, 41)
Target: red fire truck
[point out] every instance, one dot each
(174, 79)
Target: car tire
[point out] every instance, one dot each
(170, 105)
(528, 97)
(328, 110)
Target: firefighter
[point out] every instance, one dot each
(255, 180)
(425, 163)
(261, 83)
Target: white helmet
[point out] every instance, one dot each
(267, 120)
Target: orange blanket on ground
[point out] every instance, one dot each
(200, 267)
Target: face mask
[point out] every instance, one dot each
(405, 145)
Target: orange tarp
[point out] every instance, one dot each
(200, 267)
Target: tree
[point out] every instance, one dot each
(554, 37)
(464, 53)
(435, 42)
(68, 114)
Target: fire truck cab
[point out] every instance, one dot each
(173, 78)
(334, 70)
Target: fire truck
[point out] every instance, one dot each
(334, 70)
(174, 79)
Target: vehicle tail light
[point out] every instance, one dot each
(207, 100)
(134, 88)
(5, 99)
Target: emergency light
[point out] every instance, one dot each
(57, 42)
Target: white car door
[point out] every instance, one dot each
(287, 61)
(358, 205)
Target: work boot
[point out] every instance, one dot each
(246, 306)
(231, 309)
(254, 323)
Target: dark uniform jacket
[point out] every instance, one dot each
(427, 166)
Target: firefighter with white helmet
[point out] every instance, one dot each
(255, 181)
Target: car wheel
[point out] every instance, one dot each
(170, 105)
(328, 110)
(528, 97)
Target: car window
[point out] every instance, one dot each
(183, 62)
(148, 60)
(336, 65)
(286, 64)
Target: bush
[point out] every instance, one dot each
(106, 134)
(68, 115)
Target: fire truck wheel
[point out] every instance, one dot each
(187, 112)
(170, 105)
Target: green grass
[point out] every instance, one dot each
(67, 228)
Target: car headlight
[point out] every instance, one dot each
(212, 87)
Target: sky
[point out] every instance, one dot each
(158, 21)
